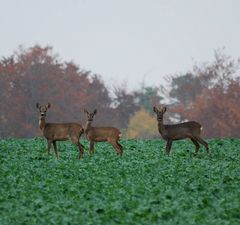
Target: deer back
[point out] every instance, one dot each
(181, 130)
(62, 131)
(103, 133)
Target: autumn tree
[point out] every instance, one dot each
(37, 75)
(146, 97)
(218, 111)
(184, 88)
(210, 95)
(124, 104)
(142, 125)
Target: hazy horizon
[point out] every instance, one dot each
(124, 41)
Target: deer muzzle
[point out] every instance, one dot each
(42, 115)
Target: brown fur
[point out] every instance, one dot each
(59, 131)
(170, 133)
(99, 134)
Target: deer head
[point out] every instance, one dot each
(90, 115)
(159, 111)
(43, 109)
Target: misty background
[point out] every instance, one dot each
(124, 41)
(120, 57)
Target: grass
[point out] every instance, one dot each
(144, 186)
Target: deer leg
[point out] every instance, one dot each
(75, 140)
(116, 147)
(81, 150)
(168, 147)
(202, 142)
(55, 149)
(120, 147)
(91, 151)
(49, 146)
(196, 145)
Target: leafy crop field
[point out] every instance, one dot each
(143, 186)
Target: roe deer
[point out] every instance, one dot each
(59, 131)
(98, 134)
(179, 131)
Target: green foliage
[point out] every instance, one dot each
(144, 186)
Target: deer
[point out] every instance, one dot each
(170, 133)
(54, 132)
(101, 134)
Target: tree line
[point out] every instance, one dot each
(208, 93)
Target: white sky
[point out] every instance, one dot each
(124, 40)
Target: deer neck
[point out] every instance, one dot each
(88, 126)
(41, 122)
(161, 128)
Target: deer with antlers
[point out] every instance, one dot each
(100, 134)
(59, 131)
(179, 131)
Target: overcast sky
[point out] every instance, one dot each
(124, 40)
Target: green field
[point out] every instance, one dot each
(143, 186)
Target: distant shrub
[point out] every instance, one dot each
(142, 125)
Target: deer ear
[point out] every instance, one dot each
(85, 111)
(37, 105)
(164, 109)
(48, 105)
(95, 111)
(154, 109)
